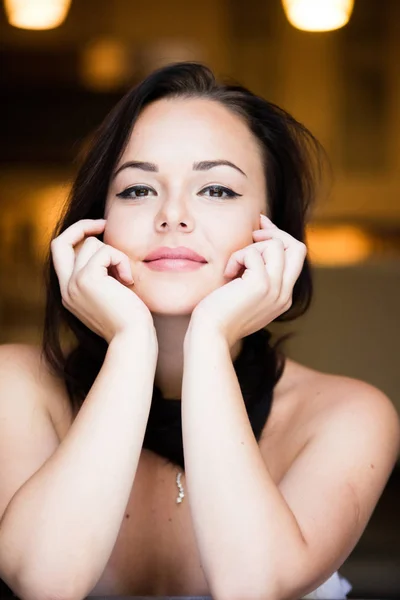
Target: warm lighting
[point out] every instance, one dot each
(341, 245)
(47, 201)
(106, 64)
(318, 15)
(164, 51)
(36, 14)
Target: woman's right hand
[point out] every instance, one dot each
(104, 304)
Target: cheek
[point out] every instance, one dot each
(117, 228)
(124, 235)
(109, 235)
(117, 235)
(238, 237)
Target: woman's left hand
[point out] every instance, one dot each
(272, 264)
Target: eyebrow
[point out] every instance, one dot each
(204, 165)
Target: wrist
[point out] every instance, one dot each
(144, 339)
(201, 332)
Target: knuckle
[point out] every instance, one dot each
(303, 247)
(73, 289)
(81, 280)
(275, 296)
(99, 247)
(92, 241)
(106, 248)
(288, 303)
(111, 250)
(278, 241)
(263, 286)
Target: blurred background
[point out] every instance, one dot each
(57, 84)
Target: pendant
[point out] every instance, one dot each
(180, 488)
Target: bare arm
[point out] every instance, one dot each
(297, 533)
(60, 527)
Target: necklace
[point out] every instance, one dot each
(181, 494)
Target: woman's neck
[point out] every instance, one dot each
(171, 331)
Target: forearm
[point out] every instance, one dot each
(61, 526)
(241, 520)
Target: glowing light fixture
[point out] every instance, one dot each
(318, 15)
(36, 14)
(340, 245)
(105, 64)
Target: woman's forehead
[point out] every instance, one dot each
(197, 128)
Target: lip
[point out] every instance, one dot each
(181, 252)
(174, 264)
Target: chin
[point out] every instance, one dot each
(170, 302)
(171, 309)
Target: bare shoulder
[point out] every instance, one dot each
(347, 441)
(30, 396)
(24, 365)
(340, 404)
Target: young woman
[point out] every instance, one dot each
(171, 449)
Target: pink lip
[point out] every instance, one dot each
(175, 253)
(173, 264)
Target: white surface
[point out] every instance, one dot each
(334, 588)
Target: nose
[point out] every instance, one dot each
(174, 214)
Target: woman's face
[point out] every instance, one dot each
(172, 203)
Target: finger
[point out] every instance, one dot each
(245, 258)
(262, 234)
(235, 263)
(271, 232)
(266, 222)
(62, 247)
(106, 257)
(88, 248)
(295, 253)
(273, 254)
(295, 256)
(253, 264)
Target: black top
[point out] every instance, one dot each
(257, 372)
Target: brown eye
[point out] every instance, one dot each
(219, 189)
(131, 192)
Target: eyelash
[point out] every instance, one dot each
(126, 193)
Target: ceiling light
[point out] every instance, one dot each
(36, 14)
(318, 15)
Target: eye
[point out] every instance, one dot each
(129, 192)
(221, 190)
(138, 191)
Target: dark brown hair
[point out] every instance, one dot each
(291, 157)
